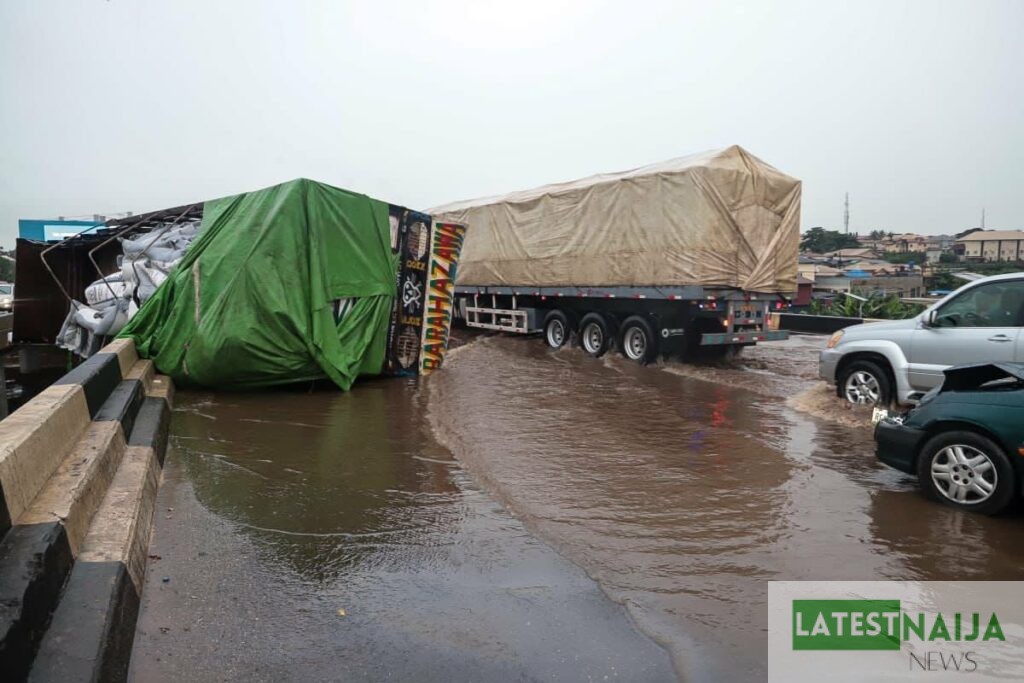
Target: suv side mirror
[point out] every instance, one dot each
(931, 318)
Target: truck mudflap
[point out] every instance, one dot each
(752, 337)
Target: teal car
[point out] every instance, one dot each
(965, 439)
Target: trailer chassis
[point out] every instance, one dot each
(681, 318)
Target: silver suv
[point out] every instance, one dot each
(877, 363)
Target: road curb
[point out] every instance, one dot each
(79, 469)
(91, 635)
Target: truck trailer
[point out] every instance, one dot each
(674, 258)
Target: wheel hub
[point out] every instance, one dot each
(593, 337)
(556, 333)
(862, 388)
(964, 474)
(636, 344)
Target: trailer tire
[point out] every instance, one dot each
(637, 340)
(595, 334)
(556, 329)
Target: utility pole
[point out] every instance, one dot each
(846, 214)
(983, 218)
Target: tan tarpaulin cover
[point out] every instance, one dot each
(722, 218)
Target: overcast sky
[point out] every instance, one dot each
(916, 109)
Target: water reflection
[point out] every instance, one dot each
(322, 480)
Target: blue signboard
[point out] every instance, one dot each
(53, 230)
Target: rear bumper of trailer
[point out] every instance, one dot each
(719, 338)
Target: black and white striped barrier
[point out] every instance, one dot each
(79, 468)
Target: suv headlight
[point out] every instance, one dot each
(834, 339)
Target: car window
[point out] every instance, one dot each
(6, 289)
(997, 304)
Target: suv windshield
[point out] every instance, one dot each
(6, 289)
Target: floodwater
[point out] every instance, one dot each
(527, 514)
(684, 489)
(325, 536)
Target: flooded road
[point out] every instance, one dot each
(526, 514)
(684, 489)
(326, 536)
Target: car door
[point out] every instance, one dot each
(981, 323)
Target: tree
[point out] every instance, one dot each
(6, 268)
(917, 257)
(820, 240)
(943, 279)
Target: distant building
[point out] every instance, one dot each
(861, 282)
(852, 253)
(813, 270)
(993, 245)
(940, 242)
(907, 243)
(804, 291)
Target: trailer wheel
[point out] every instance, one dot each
(556, 329)
(595, 334)
(638, 341)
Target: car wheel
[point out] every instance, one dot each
(966, 470)
(864, 382)
(638, 341)
(556, 329)
(595, 334)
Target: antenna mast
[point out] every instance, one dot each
(846, 214)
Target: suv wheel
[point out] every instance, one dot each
(966, 470)
(864, 382)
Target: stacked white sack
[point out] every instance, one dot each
(110, 302)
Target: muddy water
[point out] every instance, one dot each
(684, 489)
(324, 535)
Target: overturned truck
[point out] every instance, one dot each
(291, 283)
(671, 258)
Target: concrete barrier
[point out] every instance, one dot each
(33, 441)
(90, 637)
(79, 467)
(814, 324)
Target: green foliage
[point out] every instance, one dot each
(996, 268)
(888, 307)
(6, 269)
(820, 240)
(915, 257)
(943, 279)
(947, 257)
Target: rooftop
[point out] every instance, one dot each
(992, 235)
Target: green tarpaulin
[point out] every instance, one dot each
(252, 302)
